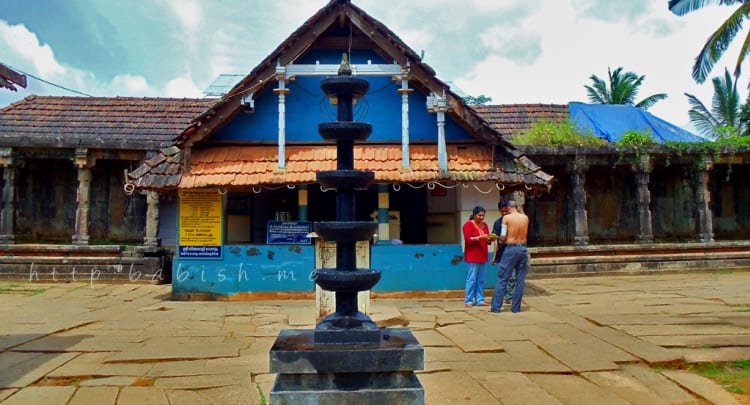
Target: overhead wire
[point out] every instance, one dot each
(48, 82)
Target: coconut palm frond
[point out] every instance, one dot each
(649, 101)
(703, 120)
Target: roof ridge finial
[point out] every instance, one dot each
(345, 69)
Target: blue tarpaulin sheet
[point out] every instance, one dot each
(612, 121)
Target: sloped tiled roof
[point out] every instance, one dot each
(242, 166)
(97, 122)
(513, 119)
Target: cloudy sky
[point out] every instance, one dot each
(514, 51)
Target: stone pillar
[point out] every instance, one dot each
(8, 211)
(81, 236)
(642, 178)
(282, 91)
(438, 104)
(152, 219)
(704, 216)
(580, 216)
(405, 91)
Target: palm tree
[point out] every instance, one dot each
(725, 116)
(623, 88)
(719, 41)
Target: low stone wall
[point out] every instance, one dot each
(415, 270)
(639, 259)
(91, 264)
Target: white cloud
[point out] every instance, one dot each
(182, 87)
(18, 43)
(189, 13)
(22, 50)
(129, 85)
(522, 47)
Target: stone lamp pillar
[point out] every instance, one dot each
(346, 359)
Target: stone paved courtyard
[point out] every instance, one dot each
(593, 340)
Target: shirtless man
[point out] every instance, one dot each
(515, 257)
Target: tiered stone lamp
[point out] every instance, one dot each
(346, 359)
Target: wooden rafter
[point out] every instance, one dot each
(9, 78)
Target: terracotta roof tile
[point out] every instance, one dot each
(98, 122)
(469, 163)
(513, 119)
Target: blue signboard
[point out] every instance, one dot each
(202, 252)
(288, 233)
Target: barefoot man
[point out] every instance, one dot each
(515, 257)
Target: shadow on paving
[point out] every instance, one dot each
(21, 368)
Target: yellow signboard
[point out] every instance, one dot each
(200, 223)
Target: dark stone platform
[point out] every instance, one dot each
(375, 373)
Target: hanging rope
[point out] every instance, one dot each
(490, 190)
(445, 185)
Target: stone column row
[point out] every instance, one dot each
(84, 163)
(7, 205)
(642, 171)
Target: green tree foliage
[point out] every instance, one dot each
(621, 88)
(478, 100)
(547, 133)
(725, 118)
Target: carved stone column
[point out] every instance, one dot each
(8, 210)
(642, 178)
(580, 216)
(81, 236)
(152, 219)
(704, 216)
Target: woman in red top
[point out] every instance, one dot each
(476, 242)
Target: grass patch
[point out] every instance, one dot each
(734, 376)
(25, 289)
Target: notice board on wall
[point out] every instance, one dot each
(201, 223)
(288, 232)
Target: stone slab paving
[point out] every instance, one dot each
(719, 354)
(585, 340)
(574, 389)
(656, 382)
(469, 340)
(702, 386)
(626, 387)
(7, 392)
(95, 395)
(41, 395)
(699, 340)
(514, 388)
(142, 395)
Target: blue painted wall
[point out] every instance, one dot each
(288, 268)
(306, 106)
(247, 268)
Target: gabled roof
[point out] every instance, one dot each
(97, 122)
(249, 166)
(369, 33)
